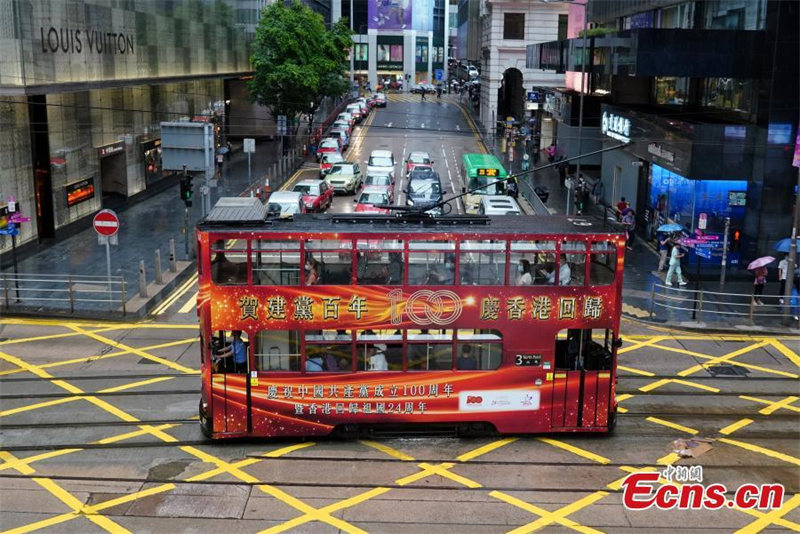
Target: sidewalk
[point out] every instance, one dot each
(641, 274)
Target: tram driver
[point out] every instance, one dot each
(237, 350)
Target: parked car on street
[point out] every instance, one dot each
(327, 160)
(380, 100)
(285, 204)
(341, 135)
(316, 195)
(344, 177)
(355, 111)
(343, 124)
(328, 145)
(345, 116)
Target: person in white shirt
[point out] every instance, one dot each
(524, 277)
(783, 270)
(377, 358)
(564, 273)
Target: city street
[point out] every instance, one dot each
(100, 433)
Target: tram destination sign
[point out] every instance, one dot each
(527, 360)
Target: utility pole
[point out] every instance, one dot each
(724, 251)
(792, 260)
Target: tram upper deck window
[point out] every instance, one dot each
(275, 263)
(575, 254)
(431, 263)
(331, 260)
(541, 258)
(380, 262)
(603, 263)
(229, 263)
(483, 263)
(278, 350)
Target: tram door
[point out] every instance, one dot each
(581, 381)
(229, 383)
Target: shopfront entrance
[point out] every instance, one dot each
(113, 170)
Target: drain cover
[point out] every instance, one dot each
(727, 370)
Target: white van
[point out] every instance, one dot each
(498, 205)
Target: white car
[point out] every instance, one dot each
(285, 204)
(381, 162)
(498, 205)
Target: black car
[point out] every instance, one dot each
(424, 189)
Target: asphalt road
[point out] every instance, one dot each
(99, 427)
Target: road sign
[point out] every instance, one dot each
(106, 222)
(281, 124)
(439, 74)
(249, 145)
(703, 252)
(702, 222)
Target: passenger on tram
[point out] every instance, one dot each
(377, 357)
(465, 360)
(395, 268)
(564, 273)
(524, 276)
(314, 363)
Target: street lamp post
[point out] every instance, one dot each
(583, 76)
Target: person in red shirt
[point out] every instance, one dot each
(760, 274)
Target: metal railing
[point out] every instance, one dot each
(56, 292)
(700, 303)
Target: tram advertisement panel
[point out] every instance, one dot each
(385, 307)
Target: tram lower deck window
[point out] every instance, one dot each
(588, 349)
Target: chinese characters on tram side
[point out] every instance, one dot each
(429, 308)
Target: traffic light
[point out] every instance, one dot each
(735, 241)
(187, 190)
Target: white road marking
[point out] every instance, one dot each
(422, 125)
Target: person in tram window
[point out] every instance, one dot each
(377, 358)
(564, 272)
(237, 350)
(465, 361)
(329, 361)
(395, 268)
(524, 276)
(314, 363)
(313, 269)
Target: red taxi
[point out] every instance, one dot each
(370, 198)
(316, 195)
(379, 180)
(418, 159)
(328, 145)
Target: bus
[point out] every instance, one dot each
(353, 324)
(478, 170)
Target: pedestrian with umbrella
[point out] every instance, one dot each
(760, 272)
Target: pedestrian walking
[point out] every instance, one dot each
(675, 266)
(551, 152)
(629, 222)
(664, 243)
(422, 92)
(783, 271)
(526, 163)
(759, 281)
(562, 171)
(220, 162)
(581, 195)
(598, 191)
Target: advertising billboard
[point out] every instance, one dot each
(389, 14)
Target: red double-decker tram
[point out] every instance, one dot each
(347, 324)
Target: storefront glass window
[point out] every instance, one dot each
(729, 93)
(671, 90)
(396, 52)
(362, 52)
(675, 198)
(422, 53)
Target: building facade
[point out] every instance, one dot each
(85, 85)
(398, 44)
(704, 97)
(507, 26)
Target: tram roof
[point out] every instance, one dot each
(411, 224)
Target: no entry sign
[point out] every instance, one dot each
(106, 223)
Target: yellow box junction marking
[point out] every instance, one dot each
(762, 450)
(635, 371)
(670, 424)
(733, 427)
(575, 450)
(782, 403)
(546, 517)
